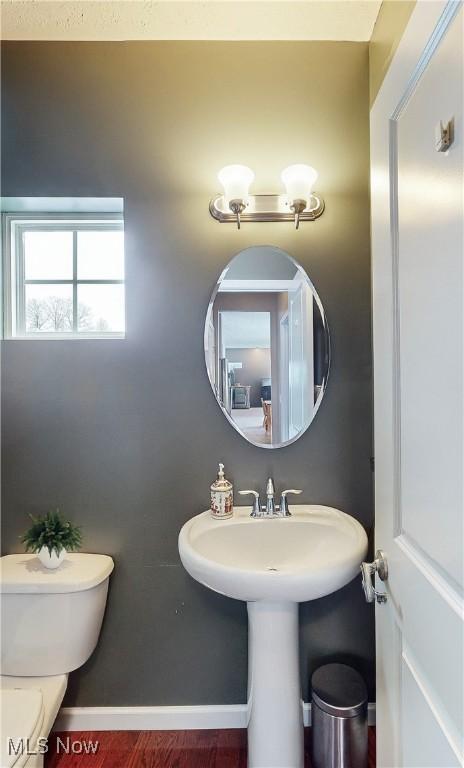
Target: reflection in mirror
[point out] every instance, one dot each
(267, 346)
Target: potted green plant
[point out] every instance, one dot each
(50, 537)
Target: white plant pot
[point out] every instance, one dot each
(51, 561)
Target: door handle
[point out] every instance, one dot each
(368, 571)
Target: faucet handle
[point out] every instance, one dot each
(255, 512)
(284, 503)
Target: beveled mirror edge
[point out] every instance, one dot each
(317, 404)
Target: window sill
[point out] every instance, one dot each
(66, 337)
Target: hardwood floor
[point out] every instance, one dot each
(162, 749)
(250, 422)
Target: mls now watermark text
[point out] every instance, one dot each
(66, 745)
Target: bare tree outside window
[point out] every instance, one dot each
(85, 319)
(55, 314)
(102, 325)
(58, 312)
(37, 317)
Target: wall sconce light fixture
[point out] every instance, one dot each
(236, 180)
(298, 180)
(299, 203)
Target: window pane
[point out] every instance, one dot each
(49, 308)
(100, 255)
(48, 255)
(101, 308)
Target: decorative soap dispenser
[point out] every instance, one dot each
(222, 496)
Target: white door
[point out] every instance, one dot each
(283, 377)
(417, 242)
(300, 358)
(295, 362)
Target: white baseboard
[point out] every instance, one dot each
(163, 718)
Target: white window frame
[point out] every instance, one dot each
(14, 225)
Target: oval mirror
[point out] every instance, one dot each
(267, 346)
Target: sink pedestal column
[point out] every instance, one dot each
(275, 715)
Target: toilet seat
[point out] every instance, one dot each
(22, 716)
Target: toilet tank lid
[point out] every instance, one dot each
(78, 572)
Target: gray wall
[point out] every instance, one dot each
(125, 436)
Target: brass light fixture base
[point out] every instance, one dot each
(265, 208)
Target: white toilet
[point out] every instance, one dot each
(50, 624)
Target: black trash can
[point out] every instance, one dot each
(339, 718)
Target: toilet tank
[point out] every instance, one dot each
(51, 619)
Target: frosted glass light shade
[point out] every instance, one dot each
(236, 180)
(298, 180)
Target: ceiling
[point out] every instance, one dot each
(188, 19)
(246, 330)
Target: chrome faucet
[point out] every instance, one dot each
(270, 503)
(270, 509)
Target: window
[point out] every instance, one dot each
(64, 276)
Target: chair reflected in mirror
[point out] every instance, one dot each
(267, 411)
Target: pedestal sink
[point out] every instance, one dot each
(274, 564)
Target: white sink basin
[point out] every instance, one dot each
(308, 555)
(274, 564)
